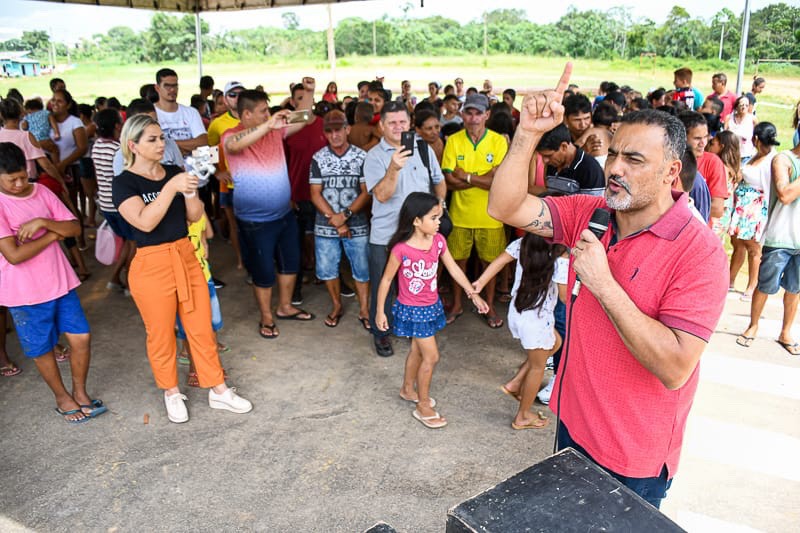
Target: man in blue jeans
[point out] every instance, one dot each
(391, 174)
(340, 196)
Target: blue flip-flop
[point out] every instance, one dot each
(85, 418)
(95, 409)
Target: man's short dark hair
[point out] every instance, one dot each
(640, 103)
(511, 92)
(297, 87)
(54, 82)
(575, 104)
(722, 78)
(674, 132)
(616, 97)
(106, 121)
(206, 82)
(394, 107)
(716, 103)
(692, 119)
(608, 86)
(605, 114)
(139, 106)
(249, 99)
(688, 170)
(362, 83)
(451, 128)
(449, 97)
(553, 139)
(12, 159)
(165, 73)
(425, 105)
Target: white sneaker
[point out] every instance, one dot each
(176, 409)
(549, 364)
(544, 394)
(229, 401)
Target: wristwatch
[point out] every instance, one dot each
(347, 213)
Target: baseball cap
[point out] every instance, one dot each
(334, 120)
(476, 101)
(231, 85)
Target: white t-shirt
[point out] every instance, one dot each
(182, 125)
(534, 327)
(66, 143)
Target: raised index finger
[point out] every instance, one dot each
(563, 83)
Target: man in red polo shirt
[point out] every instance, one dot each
(653, 291)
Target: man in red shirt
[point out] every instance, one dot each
(653, 290)
(719, 84)
(709, 165)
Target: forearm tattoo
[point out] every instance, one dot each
(239, 136)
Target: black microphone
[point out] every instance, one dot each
(598, 225)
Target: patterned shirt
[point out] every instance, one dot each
(341, 178)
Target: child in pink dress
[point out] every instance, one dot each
(416, 248)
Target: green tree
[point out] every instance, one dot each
(587, 33)
(172, 38)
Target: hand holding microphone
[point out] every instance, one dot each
(586, 247)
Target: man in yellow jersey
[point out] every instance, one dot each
(218, 126)
(469, 162)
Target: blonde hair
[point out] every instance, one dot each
(132, 131)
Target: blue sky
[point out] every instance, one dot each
(68, 23)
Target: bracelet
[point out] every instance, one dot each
(469, 179)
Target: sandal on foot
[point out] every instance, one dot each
(539, 422)
(743, 340)
(365, 323)
(192, 380)
(183, 358)
(10, 370)
(223, 348)
(493, 321)
(65, 414)
(301, 315)
(62, 353)
(792, 348)
(503, 296)
(269, 327)
(433, 402)
(333, 320)
(95, 409)
(428, 421)
(452, 317)
(517, 396)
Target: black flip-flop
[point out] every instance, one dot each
(333, 320)
(270, 327)
(789, 347)
(365, 323)
(296, 316)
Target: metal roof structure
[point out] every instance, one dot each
(198, 6)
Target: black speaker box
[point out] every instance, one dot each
(566, 492)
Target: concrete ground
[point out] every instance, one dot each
(331, 447)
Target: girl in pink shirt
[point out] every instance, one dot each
(32, 221)
(418, 313)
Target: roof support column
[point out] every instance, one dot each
(198, 43)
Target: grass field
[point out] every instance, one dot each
(87, 81)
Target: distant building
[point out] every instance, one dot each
(16, 65)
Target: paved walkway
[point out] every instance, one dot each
(331, 447)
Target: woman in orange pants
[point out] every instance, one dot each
(165, 277)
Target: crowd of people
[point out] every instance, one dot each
(420, 196)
